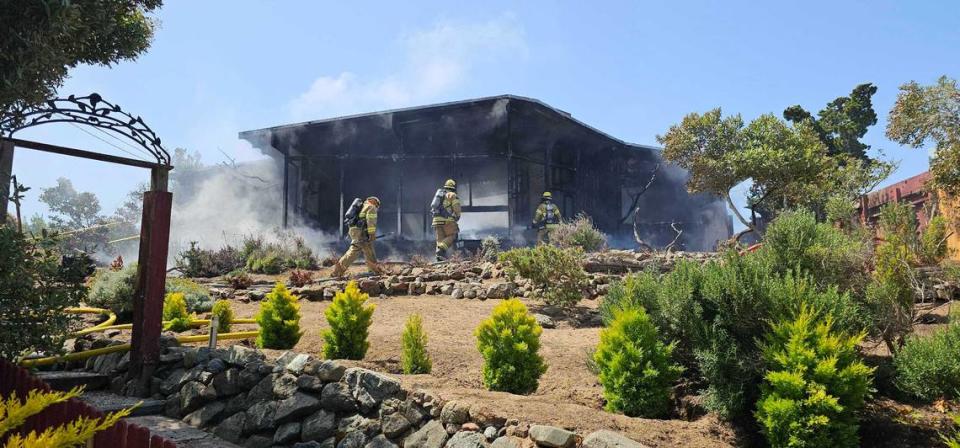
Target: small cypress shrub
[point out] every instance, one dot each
(175, 312)
(15, 411)
(415, 358)
(279, 319)
(224, 314)
(349, 323)
(636, 370)
(509, 341)
(815, 383)
(928, 367)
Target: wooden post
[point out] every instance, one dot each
(6, 171)
(151, 281)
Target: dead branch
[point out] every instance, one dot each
(673, 226)
(636, 198)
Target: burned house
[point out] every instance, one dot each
(504, 151)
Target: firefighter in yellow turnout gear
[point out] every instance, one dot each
(362, 235)
(546, 218)
(445, 208)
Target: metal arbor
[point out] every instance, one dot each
(92, 110)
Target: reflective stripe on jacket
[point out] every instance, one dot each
(451, 204)
(368, 214)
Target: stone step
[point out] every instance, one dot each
(111, 402)
(184, 435)
(64, 381)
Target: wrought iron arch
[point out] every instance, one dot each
(90, 110)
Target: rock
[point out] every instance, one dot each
(490, 433)
(264, 389)
(285, 358)
(231, 429)
(470, 426)
(172, 383)
(205, 416)
(355, 439)
(226, 382)
(236, 404)
(239, 355)
(368, 426)
(299, 405)
(544, 320)
(258, 441)
(551, 437)
(484, 416)
(371, 287)
(507, 442)
(260, 416)
(394, 425)
(216, 366)
(309, 383)
(172, 407)
(337, 397)
(318, 426)
(455, 412)
(431, 435)
(610, 439)
(286, 433)
(457, 293)
(451, 428)
(329, 371)
(285, 386)
(380, 442)
(467, 439)
(370, 388)
(296, 365)
(518, 430)
(311, 444)
(192, 397)
(249, 377)
(413, 412)
(470, 294)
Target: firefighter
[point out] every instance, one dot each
(363, 232)
(445, 208)
(546, 218)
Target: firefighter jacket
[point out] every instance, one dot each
(451, 204)
(544, 218)
(367, 218)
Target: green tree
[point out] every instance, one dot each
(414, 357)
(279, 319)
(509, 342)
(349, 318)
(931, 114)
(842, 123)
(77, 215)
(42, 39)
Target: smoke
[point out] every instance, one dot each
(221, 205)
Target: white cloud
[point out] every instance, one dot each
(435, 62)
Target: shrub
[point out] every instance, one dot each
(279, 319)
(509, 342)
(796, 242)
(114, 289)
(928, 367)
(299, 277)
(579, 233)
(239, 279)
(814, 385)
(196, 262)
(175, 312)
(349, 323)
(933, 241)
(285, 250)
(35, 288)
(952, 440)
(224, 314)
(634, 291)
(636, 370)
(415, 358)
(197, 296)
(267, 262)
(559, 272)
(490, 248)
(14, 413)
(890, 295)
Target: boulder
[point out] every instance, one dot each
(431, 435)
(192, 396)
(508, 442)
(368, 426)
(455, 413)
(297, 364)
(380, 442)
(328, 371)
(371, 287)
(285, 386)
(215, 366)
(299, 405)
(610, 439)
(370, 388)
(490, 432)
(227, 382)
(544, 321)
(264, 389)
(239, 355)
(309, 383)
(337, 397)
(467, 439)
(394, 425)
(355, 439)
(318, 426)
(258, 441)
(457, 293)
(286, 433)
(231, 429)
(206, 415)
(552, 437)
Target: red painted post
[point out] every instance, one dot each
(148, 300)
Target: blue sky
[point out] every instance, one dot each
(629, 68)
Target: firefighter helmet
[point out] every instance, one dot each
(547, 195)
(450, 184)
(375, 200)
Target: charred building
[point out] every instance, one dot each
(503, 151)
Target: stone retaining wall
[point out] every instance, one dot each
(300, 401)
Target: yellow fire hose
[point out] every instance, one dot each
(108, 325)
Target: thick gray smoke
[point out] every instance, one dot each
(219, 206)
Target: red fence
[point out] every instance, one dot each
(14, 379)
